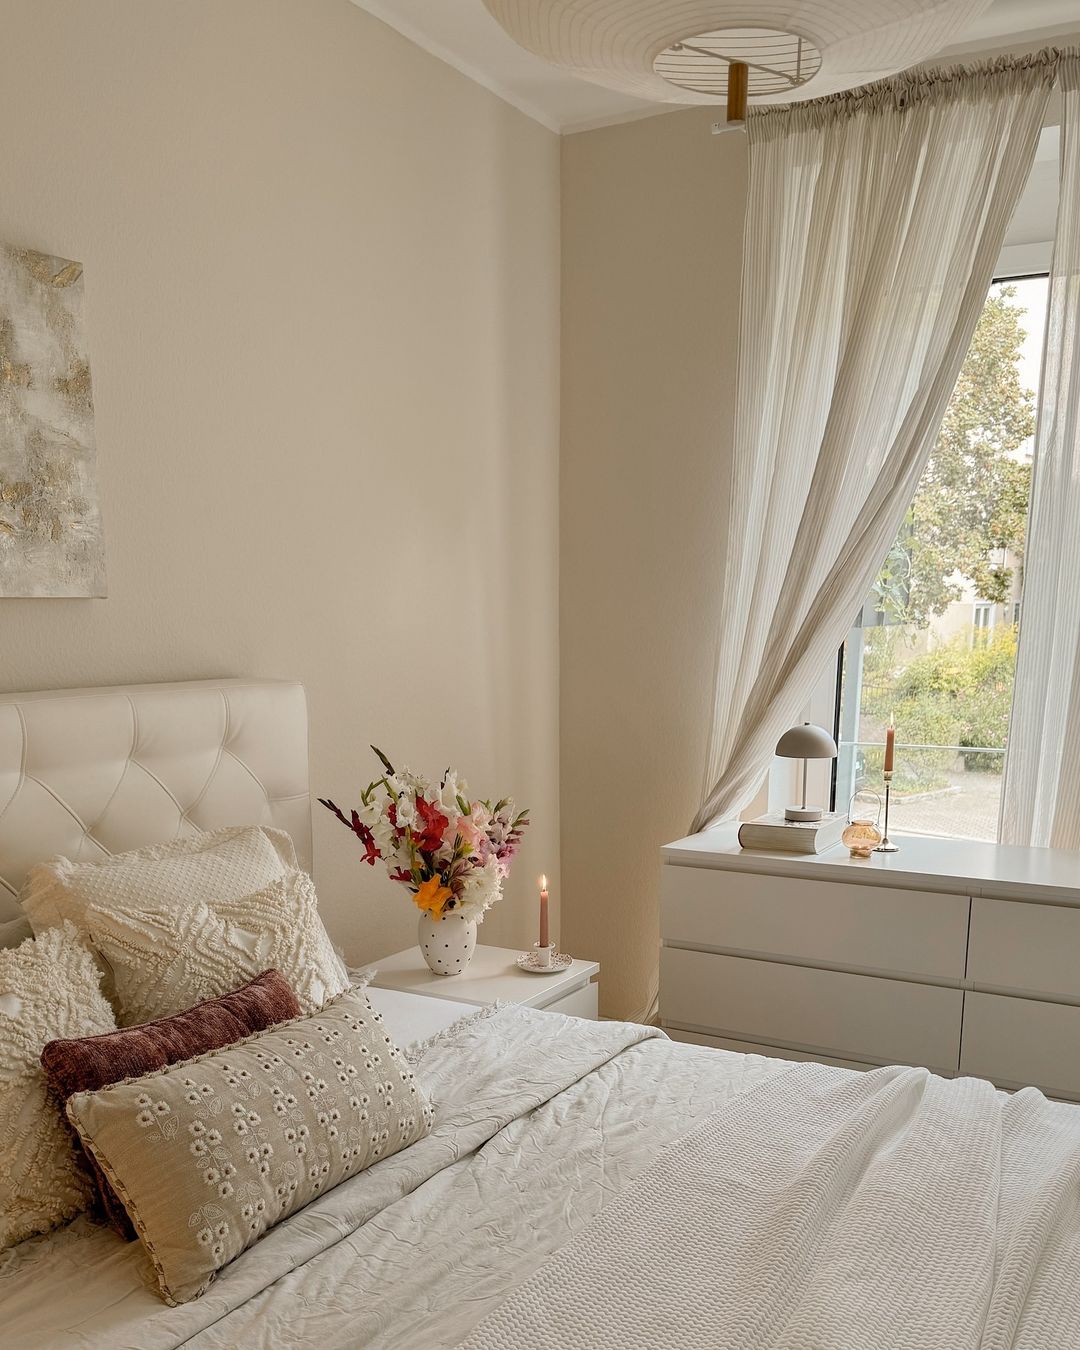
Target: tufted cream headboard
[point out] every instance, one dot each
(89, 772)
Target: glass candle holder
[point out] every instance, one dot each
(861, 838)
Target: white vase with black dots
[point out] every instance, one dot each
(446, 944)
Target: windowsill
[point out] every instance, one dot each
(923, 863)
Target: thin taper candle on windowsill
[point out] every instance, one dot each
(887, 845)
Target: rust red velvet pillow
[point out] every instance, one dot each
(91, 1062)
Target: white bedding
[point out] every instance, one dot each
(542, 1121)
(411, 1018)
(890, 1209)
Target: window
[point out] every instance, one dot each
(934, 646)
(982, 620)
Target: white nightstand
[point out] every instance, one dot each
(492, 974)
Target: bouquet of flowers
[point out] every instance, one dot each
(452, 853)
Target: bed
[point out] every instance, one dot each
(586, 1184)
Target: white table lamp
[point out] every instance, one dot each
(805, 742)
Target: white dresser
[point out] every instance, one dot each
(963, 957)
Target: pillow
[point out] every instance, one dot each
(48, 988)
(208, 1154)
(86, 1064)
(225, 864)
(166, 957)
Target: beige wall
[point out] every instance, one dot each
(652, 226)
(322, 295)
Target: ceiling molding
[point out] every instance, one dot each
(385, 12)
(617, 119)
(463, 35)
(1057, 35)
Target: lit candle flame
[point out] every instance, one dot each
(543, 883)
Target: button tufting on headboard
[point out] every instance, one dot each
(90, 772)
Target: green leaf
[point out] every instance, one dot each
(384, 761)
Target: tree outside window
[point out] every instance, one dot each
(935, 644)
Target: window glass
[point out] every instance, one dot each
(934, 647)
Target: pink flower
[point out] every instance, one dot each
(470, 832)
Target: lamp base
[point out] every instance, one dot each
(803, 813)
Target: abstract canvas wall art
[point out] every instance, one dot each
(50, 527)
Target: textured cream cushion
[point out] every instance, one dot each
(48, 989)
(181, 922)
(208, 1154)
(220, 864)
(165, 958)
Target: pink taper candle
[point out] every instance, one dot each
(543, 913)
(890, 742)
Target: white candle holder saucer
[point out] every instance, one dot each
(541, 961)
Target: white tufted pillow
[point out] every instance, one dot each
(48, 989)
(164, 958)
(223, 864)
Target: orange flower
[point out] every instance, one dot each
(432, 895)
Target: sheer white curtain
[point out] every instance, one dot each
(873, 224)
(1041, 795)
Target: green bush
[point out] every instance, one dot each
(956, 694)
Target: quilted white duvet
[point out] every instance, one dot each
(741, 1201)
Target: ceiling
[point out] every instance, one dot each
(463, 33)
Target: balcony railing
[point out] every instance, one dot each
(949, 790)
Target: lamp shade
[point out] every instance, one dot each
(806, 742)
(680, 51)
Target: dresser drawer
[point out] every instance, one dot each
(854, 1017)
(1017, 1042)
(1034, 949)
(868, 928)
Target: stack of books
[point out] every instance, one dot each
(792, 836)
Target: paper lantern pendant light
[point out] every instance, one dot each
(700, 51)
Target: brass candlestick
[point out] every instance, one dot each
(887, 845)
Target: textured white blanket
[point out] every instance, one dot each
(824, 1211)
(545, 1123)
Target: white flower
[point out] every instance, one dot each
(406, 811)
(481, 888)
(374, 816)
(451, 790)
(408, 780)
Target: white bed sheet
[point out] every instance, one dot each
(412, 1017)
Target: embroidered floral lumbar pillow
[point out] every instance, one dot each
(208, 1154)
(90, 1062)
